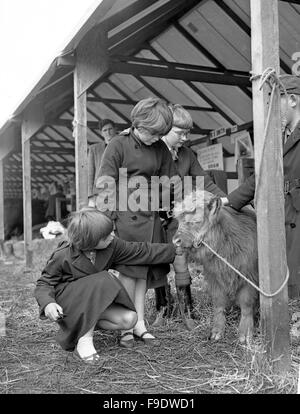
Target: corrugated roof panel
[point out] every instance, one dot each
(103, 111)
(131, 86)
(170, 89)
(46, 158)
(107, 91)
(51, 134)
(208, 92)
(212, 40)
(137, 17)
(175, 47)
(289, 32)
(241, 8)
(288, 25)
(67, 145)
(92, 137)
(235, 37)
(209, 120)
(124, 109)
(92, 116)
(69, 157)
(234, 99)
(147, 54)
(188, 92)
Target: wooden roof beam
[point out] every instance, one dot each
(133, 102)
(181, 72)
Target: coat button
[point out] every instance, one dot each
(136, 146)
(293, 225)
(134, 217)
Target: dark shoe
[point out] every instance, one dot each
(147, 341)
(93, 359)
(160, 319)
(129, 343)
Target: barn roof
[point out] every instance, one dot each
(196, 53)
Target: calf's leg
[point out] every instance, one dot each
(246, 299)
(219, 305)
(164, 304)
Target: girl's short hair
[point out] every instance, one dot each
(181, 117)
(87, 227)
(152, 114)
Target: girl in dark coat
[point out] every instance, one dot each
(139, 154)
(78, 292)
(187, 165)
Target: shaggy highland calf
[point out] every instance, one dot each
(232, 235)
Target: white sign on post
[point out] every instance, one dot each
(211, 157)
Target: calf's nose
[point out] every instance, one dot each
(177, 241)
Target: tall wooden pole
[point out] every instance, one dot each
(80, 135)
(1, 203)
(91, 64)
(269, 194)
(33, 121)
(27, 210)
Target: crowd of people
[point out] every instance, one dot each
(77, 291)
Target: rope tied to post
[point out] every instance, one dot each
(270, 77)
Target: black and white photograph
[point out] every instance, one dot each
(149, 200)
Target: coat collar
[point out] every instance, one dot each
(292, 140)
(81, 262)
(103, 258)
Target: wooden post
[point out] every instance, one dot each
(2, 233)
(91, 64)
(269, 194)
(27, 210)
(33, 121)
(80, 135)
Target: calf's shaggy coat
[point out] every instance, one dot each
(233, 236)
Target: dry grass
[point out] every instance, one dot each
(187, 362)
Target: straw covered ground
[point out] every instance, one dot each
(187, 362)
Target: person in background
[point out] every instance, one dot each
(56, 191)
(290, 119)
(95, 154)
(76, 290)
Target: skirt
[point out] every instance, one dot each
(83, 301)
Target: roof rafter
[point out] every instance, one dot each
(134, 102)
(178, 71)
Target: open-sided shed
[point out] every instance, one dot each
(193, 52)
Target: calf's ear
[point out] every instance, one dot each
(214, 205)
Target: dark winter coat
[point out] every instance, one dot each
(127, 151)
(84, 290)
